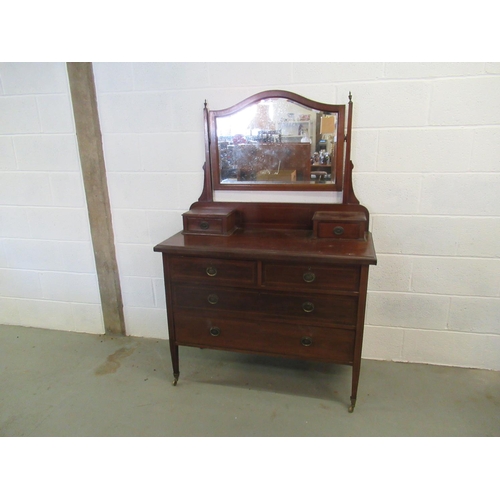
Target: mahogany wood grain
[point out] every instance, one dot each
(310, 277)
(282, 339)
(285, 245)
(318, 309)
(207, 270)
(280, 284)
(279, 215)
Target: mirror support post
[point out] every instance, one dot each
(207, 194)
(348, 196)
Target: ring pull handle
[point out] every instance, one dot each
(309, 277)
(306, 341)
(213, 299)
(211, 271)
(204, 224)
(308, 307)
(215, 331)
(338, 230)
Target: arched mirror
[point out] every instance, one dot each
(276, 140)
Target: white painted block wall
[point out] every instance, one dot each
(427, 156)
(47, 269)
(426, 151)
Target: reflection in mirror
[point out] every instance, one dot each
(277, 141)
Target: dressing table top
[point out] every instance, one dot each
(285, 244)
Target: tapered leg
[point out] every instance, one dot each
(174, 353)
(355, 379)
(356, 366)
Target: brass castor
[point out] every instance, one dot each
(353, 404)
(176, 378)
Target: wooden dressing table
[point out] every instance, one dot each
(285, 279)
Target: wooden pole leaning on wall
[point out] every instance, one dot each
(88, 133)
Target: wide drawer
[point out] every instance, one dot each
(344, 278)
(217, 271)
(313, 308)
(295, 340)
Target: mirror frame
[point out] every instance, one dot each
(212, 167)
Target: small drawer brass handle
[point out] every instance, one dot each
(204, 224)
(308, 307)
(213, 298)
(338, 230)
(215, 331)
(211, 271)
(306, 341)
(309, 277)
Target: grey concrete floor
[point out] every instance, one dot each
(73, 384)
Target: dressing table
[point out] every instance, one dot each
(273, 278)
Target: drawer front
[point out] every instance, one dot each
(207, 222)
(217, 271)
(311, 308)
(284, 276)
(215, 299)
(307, 342)
(340, 230)
(207, 225)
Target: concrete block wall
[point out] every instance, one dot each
(47, 269)
(433, 190)
(426, 151)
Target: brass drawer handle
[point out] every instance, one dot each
(215, 331)
(204, 224)
(211, 271)
(309, 277)
(338, 230)
(308, 307)
(213, 298)
(306, 341)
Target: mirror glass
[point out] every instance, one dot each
(277, 141)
